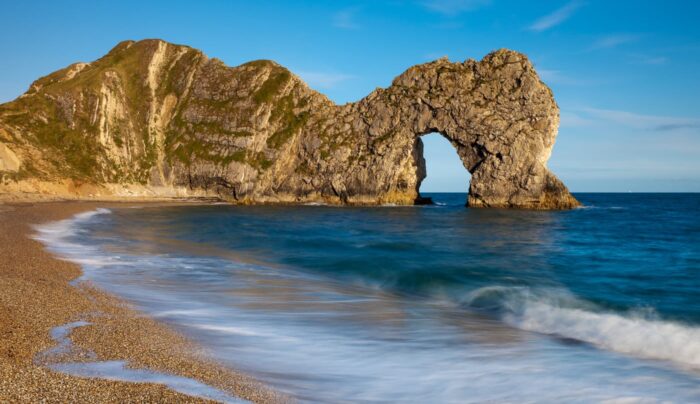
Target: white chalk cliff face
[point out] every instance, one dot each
(165, 116)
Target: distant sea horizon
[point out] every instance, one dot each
(585, 192)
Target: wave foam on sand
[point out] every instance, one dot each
(119, 370)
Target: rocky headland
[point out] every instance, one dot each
(154, 120)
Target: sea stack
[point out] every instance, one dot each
(155, 119)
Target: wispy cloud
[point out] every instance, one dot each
(346, 19)
(569, 119)
(324, 80)
(677, 126)
(556, 17)
(658, 123)
(612, 41)
(550, 76)
(649, 60)
(453, 7)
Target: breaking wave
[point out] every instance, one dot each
(559, 313)
(372, 301)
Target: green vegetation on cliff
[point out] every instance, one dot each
(166, 115)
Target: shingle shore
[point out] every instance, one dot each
(35, 296)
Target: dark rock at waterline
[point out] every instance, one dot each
(423, 200)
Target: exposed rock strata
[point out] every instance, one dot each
(168, 117)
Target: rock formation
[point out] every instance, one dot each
(167, 117)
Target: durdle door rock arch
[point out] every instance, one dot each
(155, 119)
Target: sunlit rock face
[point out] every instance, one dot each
(165, 116)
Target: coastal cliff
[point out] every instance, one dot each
(154, 119)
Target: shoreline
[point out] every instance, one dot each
(36, 296)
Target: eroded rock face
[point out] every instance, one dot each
(164, 115)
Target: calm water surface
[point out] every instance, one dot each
(420, 304)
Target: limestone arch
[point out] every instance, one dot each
(497, 114)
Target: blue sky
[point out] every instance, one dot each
(624, 73)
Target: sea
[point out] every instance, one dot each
(419, 304)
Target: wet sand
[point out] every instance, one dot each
(35, 297)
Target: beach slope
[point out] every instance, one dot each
(36, 296)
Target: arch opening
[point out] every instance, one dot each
(444, 171)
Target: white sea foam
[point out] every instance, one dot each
(556, 312)
(57, 236)
(87, 215)
(60, 333)
(595, 207)
(228, 329)
(350, 360)
(119, 370)
(242, 331)
(184, 313)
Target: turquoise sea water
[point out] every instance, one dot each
(420, 304)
